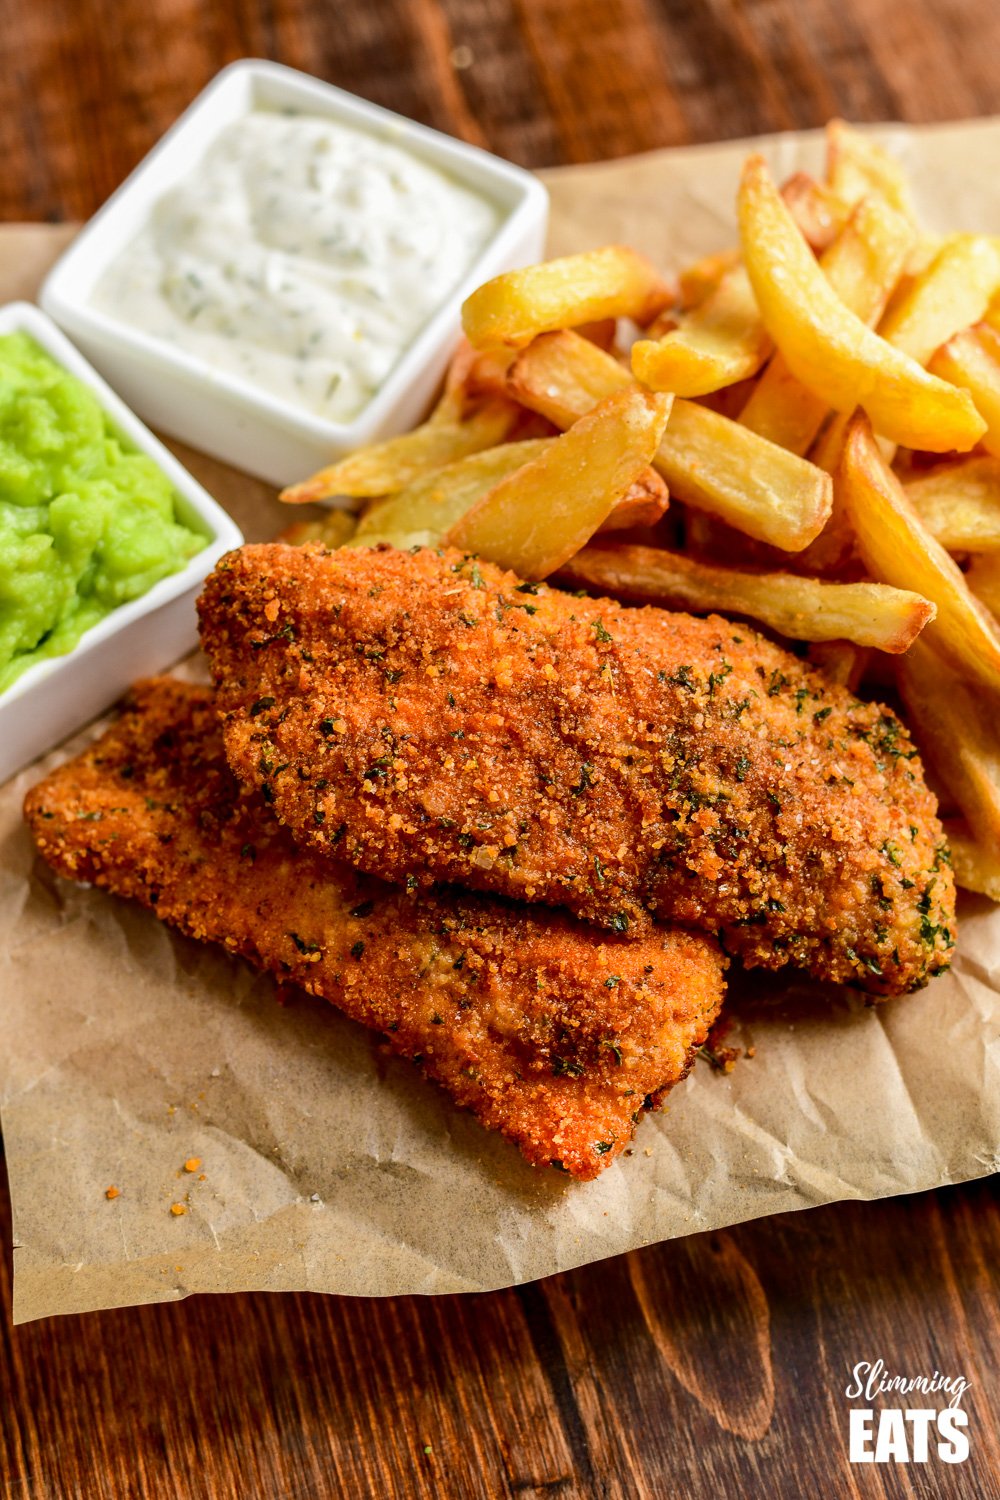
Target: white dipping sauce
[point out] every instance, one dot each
(302, 255)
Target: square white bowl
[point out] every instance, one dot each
(56, 697)
(223, 414)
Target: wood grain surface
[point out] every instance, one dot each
(712, 1366)
(88, 86)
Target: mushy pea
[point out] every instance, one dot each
(86, 524)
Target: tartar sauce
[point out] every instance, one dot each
(301, 254)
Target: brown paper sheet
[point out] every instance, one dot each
(328, 1166)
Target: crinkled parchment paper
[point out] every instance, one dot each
(327, 1165)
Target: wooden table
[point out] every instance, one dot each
(714, 1365)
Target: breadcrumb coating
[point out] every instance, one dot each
(428, 716)
(551, 1032)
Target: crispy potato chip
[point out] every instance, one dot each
(828, 347)
(956, 725)
(897, 548)
(536, 518)
(959, 503)
(385, 467)
(862, 266)
(955, 291)
(869, 614)
(721, 341)
(615, 282)
(708, 460)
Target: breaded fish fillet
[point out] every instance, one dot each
(549, 1031)
(428, 716)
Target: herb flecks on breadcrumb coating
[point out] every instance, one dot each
(555, 1034)
(427, 716)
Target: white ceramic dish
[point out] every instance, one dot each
(56, 697)
(226, 416)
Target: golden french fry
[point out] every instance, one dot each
(473, 375)
(857, 166)
(714, 464)
(708, 461)
(828, 347)
(536, 518)
(976, 864)
(615, 282)
(925, 248)
(334, 529)
(972, 360)
(435, 501)
(385, 467)
(450, 406)
(721, 341)
(869, 614)
(563, 377)
(841, 661)
(711, 540)
(828, 449)
(865, 262)
(663, 323)
(983, 579)
(956, 725)
(603, 333)
(862, 266)
(897, 548)
(955, 291)
(833, 549)
(992, 315)
(782, 410)
(730, 400)
(642, 504)
(457, 373)
(819, 213)
(403, 541)
(959, 503)
(698, 280)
